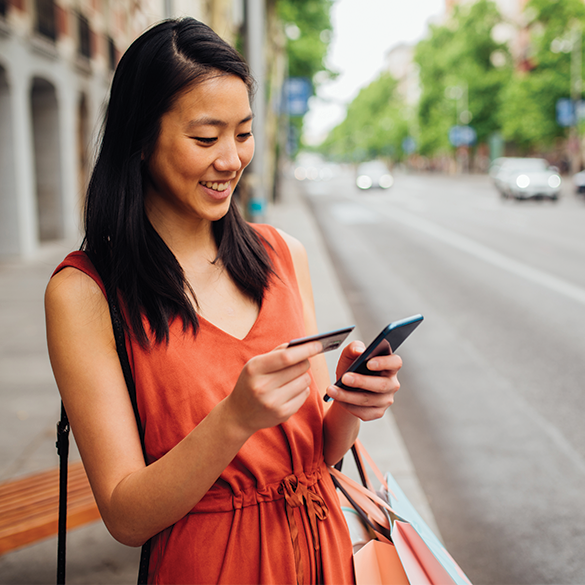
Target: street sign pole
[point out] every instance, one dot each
(576, 82)
(256, 179)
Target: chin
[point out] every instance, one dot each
(219, 212)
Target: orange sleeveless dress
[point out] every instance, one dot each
(273, 515)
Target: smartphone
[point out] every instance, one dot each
(389, 339)
(330, 340)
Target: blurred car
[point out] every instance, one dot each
(313, 167)
(373, 174)
(579, 182)
(526, 178)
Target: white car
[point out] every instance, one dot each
(579, 182)
(526, 178)
(373, 174)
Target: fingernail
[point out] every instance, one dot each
(373, 364)
(332, 391)
(349, 379)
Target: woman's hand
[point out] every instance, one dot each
(372, 394)
(272, 386)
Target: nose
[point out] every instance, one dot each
(228, 159)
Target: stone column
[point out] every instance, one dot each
(24, 161)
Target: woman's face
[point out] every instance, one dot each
(205, 143)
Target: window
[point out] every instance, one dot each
(84, 36)
(111, 53)
(46, 24)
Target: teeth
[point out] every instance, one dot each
(215, 185)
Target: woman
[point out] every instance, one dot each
(237, 436)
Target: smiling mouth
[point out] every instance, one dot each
(215, 185)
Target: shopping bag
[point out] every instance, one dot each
(378, 563)
(399, 534)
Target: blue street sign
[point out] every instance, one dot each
(462, 136)
(569, 112)
(565, 112)
(297, 91)
(409, 145)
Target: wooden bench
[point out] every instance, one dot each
(29, 506)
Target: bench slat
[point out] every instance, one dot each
(29, 507)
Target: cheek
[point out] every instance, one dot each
(247, 152)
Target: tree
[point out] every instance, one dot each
(461, 58)
(307, 48)
(375, 125)
(528, 113)
(307, 24)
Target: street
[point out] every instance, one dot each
(492, 399)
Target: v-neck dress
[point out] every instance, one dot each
(273, 515)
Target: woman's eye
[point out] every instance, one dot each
(205, 140)
(245, 135)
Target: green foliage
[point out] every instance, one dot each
(528, 114)
(374, 127)
(459, 54)
(528, 111)
(306, 54)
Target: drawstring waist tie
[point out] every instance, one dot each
(297, 494)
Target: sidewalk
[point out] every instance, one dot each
(30, 403)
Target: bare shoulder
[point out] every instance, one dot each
(73, 290)
(76, 309)
(296, 248)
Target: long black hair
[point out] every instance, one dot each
(133, 260)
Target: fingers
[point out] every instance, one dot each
(382, 363)
(365, 405)
(385, 368)
(373, 394)
(284, 357)
(273, 386)
(355, 348)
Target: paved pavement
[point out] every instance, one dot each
(30, 403)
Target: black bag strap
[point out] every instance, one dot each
(125, 363)
(63, 451)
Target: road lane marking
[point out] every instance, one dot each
(353, 214)
(488, 255)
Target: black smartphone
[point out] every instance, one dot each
(330, 340)
(389, 339)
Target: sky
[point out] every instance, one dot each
(363, 32)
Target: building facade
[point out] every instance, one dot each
(57, 59)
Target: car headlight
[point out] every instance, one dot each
(300, 173)
(554, 181)
(522, 181)
(386, 181)
(364, 182)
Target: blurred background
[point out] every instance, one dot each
(438, 145)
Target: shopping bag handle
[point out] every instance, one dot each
(360, 453)
(372, 516)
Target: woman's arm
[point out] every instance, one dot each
(340, 427)
(137, 501)
(341, 424)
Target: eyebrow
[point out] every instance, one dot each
(207, 121)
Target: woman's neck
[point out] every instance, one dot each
(190, 240)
